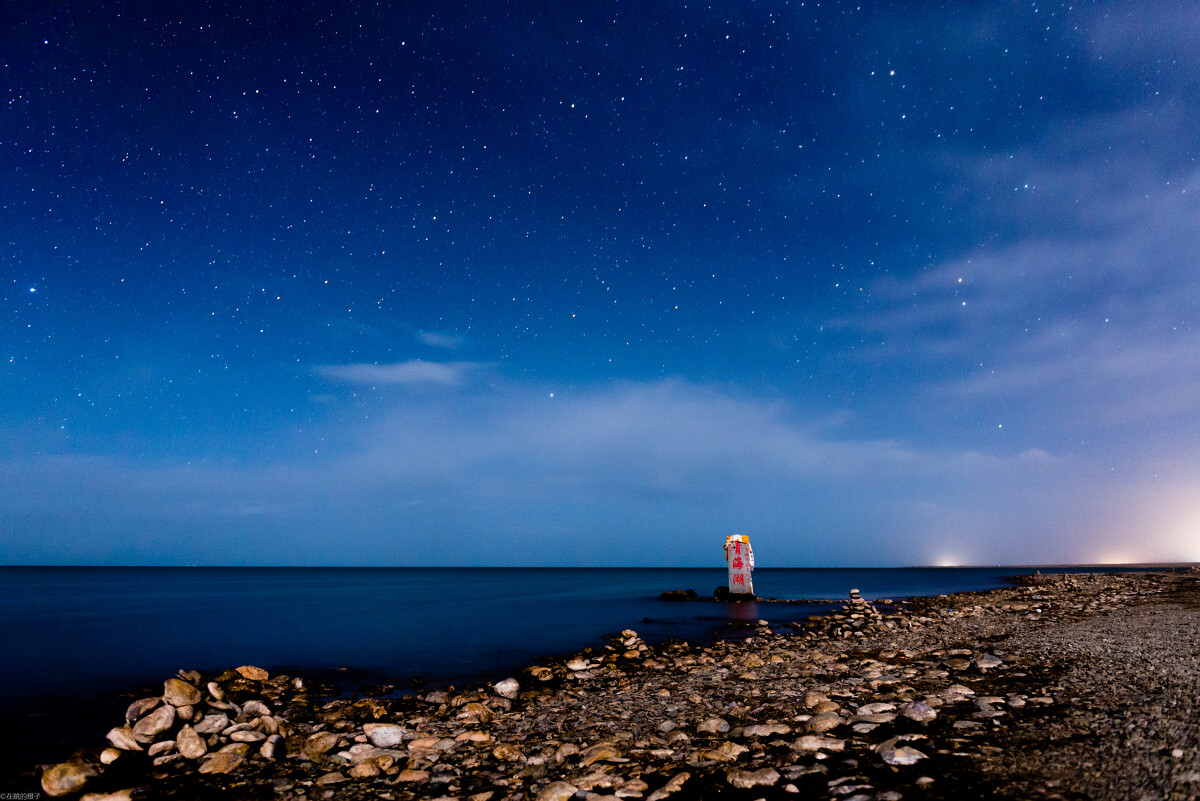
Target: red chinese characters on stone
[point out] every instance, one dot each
(737, 562)
(739, 579)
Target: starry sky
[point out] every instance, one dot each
(599, 283)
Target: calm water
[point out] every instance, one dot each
(108, 630)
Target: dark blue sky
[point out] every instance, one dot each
(294, 283)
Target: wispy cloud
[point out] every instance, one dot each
(438, 339)
(412, 372)
(638, 473)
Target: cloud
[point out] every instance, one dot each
(435, 339)
(636, 473)
(412, 372)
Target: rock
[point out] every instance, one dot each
(744, 779)
(160, 748)
(826, 721)
(678, 595)
(122, 737)
(506, 752)
(154, 724)
(215, 691)
(66, 778)
(255, 709)
(211, 724)
(894, 754)
(919, 712)
(365, 769)
(109, 756)
(247, 736)
(875, 709)
(222, 762)
(988, 662)
(672, 786)
(725, 752)
(415, 776)
(812, 698)
(273, 748)
(713, 726)
(565, 750)
(335, 777)
(599, 752)
(178, 692)
(557, 791)
(119, 795)
(138, 709)
(810, 742)
(509, 688)
(578, 664)
(766, 729)
(319, 744)
(474, 712)
(190, 744)
(384, 735)
(252, 673)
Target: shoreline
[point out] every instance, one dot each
(858, 704)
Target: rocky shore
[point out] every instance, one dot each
(1075, 686)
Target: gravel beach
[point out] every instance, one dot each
(1068, 686)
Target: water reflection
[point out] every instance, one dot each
(741, 618)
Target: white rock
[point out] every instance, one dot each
(384, 735)
(509, 688)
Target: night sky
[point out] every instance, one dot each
(599, 283)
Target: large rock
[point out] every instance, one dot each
(122, 737)
(66, 778)
(319, 744)
(252, 673)
(384, 735)
(678, 595)
(212, 724)
(139, 708)
(178, 692)
(154, 724)
(190, 744)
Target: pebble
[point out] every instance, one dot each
(509, 688)
(713, 726)
(222, 762)
(557, 791)
(745, 779)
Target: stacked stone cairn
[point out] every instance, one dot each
(858, 618)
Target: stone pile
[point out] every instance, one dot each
(191, 721)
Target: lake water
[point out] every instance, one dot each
(90, 634)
